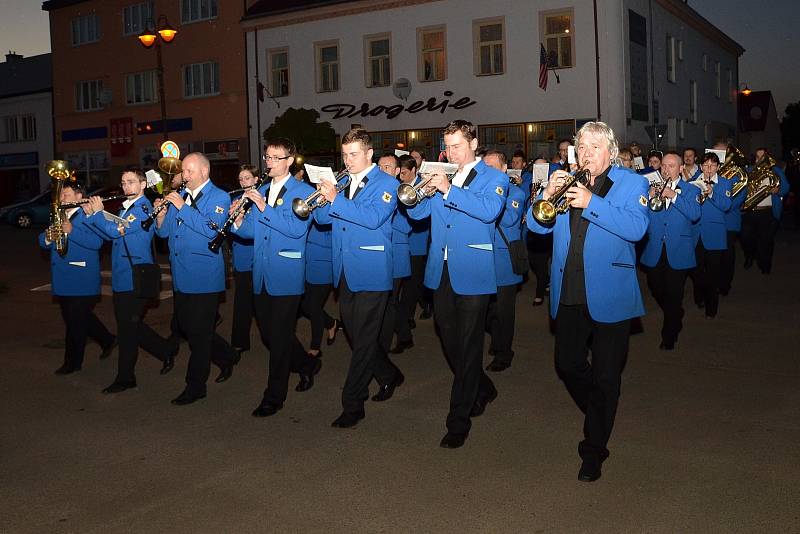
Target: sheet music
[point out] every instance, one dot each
(720, 154)
(153, 178)
(700, 183)
(638, 163)
(317, 174)
(654, 178)
(398, 152)
(435, 167)
(514, 173)
(117, 220)
(541, 172)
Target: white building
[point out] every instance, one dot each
(26, 126)
(403, 70)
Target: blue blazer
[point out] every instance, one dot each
(464, 223)
(77, 274)
(279, 242)
(618, 221)
(711, 228)
(138, 240)
(362, 233)
(319, 268)
(672, 227)
(525, 186)
(241, 248)
(420, 236)
(510, 222)
(401, 253)
(777, 199)
(195, 269)
(733, 217)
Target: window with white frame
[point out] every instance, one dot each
(85, 29)
(279, 72)
(18, 128)
(134, 17)
(717, 80)
(557, 29)
(328, 66)
(432, 54)
(379, 60)
(197, 10)
(87, 95)
(201, 79)
(141, 88)
(693, 101)
(489, 39)
(671, 59)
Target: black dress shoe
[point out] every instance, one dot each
(724, 292)
(427, 312)
(119, 387)
(452, 441)
(265, 409)
(401, 346)
(225, 372)
(481, 402)
(348, 420)
(187, 398)
(667, 346)
(337, 325)
(590, 470)
(67, 369)
(497, 366)
(386, 391)
(108, 349)
(412, 324)
(307, 377)
(169, 361)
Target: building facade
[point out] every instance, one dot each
(404, 69)
(107, 108)
(26, 133)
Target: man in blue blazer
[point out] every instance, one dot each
(711, 235)
(760, 224)
(501, 315)
(733, 225)
(279, 238)
(594, 291)
(361, 218)
(198, 275)
(461, 271)
(669, 249)
(319, 282)
(690, 171)
(131, 245)
(76, 282)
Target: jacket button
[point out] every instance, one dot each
(448, 226)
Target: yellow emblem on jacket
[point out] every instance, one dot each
(219, 209)
(514, 204)
(727, 193)
(279, 202)
(499, 190)
(387, 197)
(643, 200)
(131, 217)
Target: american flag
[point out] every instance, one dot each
(542, 67)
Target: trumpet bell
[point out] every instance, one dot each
(301, 208)
(543, 211)
(656, 204)
(58, 169)
(170, 166)
(407, 194)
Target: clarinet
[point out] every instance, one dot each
(222, 231)
(148, 222)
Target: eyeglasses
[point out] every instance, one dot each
(275, 158)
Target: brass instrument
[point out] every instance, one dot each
(658, 203)
(169, 166)
(735, 165)
(59, 172)
(705, 193)
(411, 195)
(303, 207)
(756, 192)
(243, 207)
(83, 201)
(545, 211)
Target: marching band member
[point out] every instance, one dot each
(501, 312)
(319, 282)
(691, 170)
(279, 238)
(130, 246)
(594, 291)
(76, 282)
(198, 275)
(733, 225)
(461, 271)
(669, 250)
(710, 235)
(361, 216)
(540, 250)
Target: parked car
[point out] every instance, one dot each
(30, 212)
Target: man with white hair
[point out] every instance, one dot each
(594, 291)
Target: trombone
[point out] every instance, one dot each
(545, 211)
(411, 195)
(303, 207)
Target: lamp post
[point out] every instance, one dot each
(148, 38)
(745, 90)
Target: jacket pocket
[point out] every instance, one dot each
(624, 265)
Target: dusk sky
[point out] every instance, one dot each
(769, 31)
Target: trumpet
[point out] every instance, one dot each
(303, 207)
(83, 201)
(148, 222)
(411, 195)
(243, 207)
(705, 193)
(657, 203)
(545, 211)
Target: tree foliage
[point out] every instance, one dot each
(301, 126)
(790, 127)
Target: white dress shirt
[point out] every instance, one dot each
(193, 193)
(275, 188)
(356, 179)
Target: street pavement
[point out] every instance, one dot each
(706, 439)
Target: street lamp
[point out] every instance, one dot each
(149, 37)
(746, 90)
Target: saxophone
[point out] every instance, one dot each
(59, 172)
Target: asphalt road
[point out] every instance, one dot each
(706, 439)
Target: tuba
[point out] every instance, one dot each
(756, 192)
(59, 172)
(735, 165)
(545, 211)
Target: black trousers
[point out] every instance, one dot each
(196, 316)
(667, 285)
(758, 237)
(312, 305)
(133, 332)
(728, 263)
(540, 248)
(461, 320)
(362, 315)
(413, 292)
(500, 319)
(401, 315)
(81, 322)
(387, 333)
(243, 310)
(706, 278)
(595, 386)
(277, 317)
